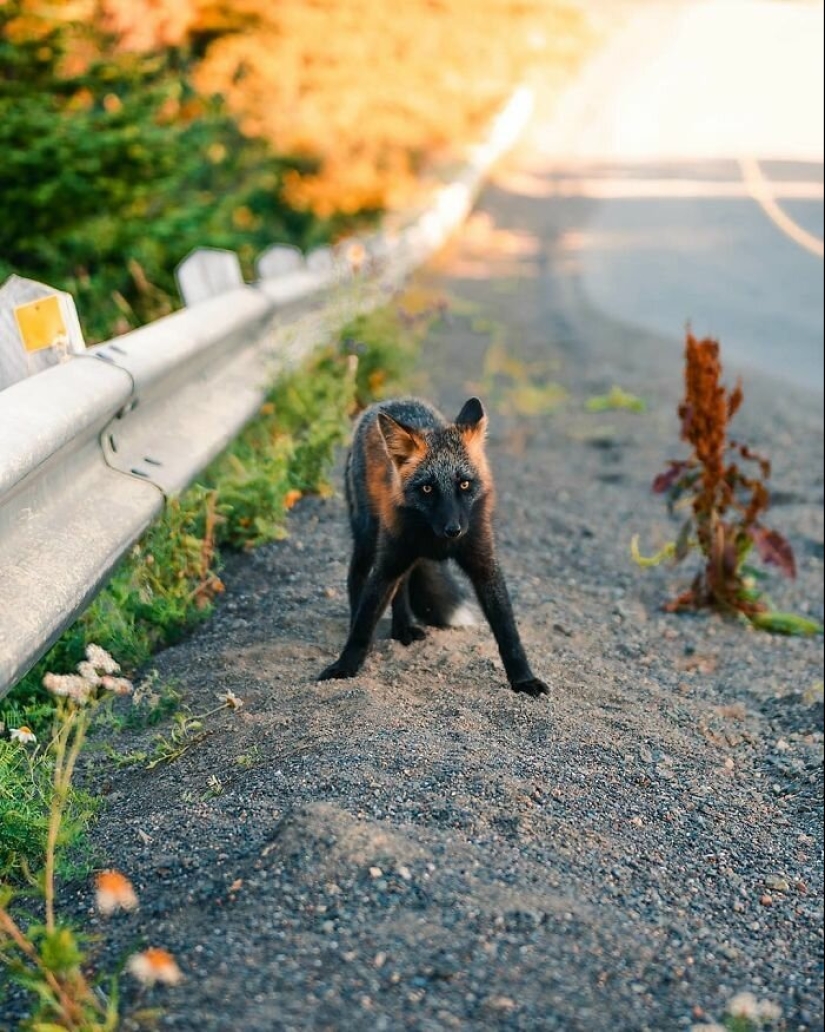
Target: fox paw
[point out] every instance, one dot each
(409, 633)
(534, 687)
(338, 670)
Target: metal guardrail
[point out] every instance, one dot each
(65, 516)
(90, 449)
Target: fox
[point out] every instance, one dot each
(419, 492)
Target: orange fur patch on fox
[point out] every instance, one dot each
(383, 483)
(473, 439)
(410, 465)
(403, 445)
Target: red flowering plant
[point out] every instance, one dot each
(723, 483)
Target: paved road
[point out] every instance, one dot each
(692, 152)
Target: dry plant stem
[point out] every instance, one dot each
(55, 815)
(209, 713)
(208, 545)
(203, 589)
(64, 765)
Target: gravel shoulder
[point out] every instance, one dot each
(419, 848)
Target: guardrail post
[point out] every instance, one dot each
(38, 328)
(278, 260)
(321, 260)
(207, 272)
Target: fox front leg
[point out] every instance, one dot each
(494, 599)
(377, 591)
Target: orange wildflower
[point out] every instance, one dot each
(154, 965)
(114, 892)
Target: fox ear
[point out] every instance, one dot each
(472, 419)
(402, 442)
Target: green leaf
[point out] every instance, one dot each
(683, 541)
(616, 398)
(755, 572)
(60, 951)
(668, 552)
(786, 623)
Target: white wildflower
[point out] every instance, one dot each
(118, 685)
(73, 686)
(101, 660)
(743, 1005)
(89, 673)
(746, 1005)
(22, 734)
(230, 699)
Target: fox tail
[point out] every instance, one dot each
(436, 597)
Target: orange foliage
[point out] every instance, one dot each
(143, 25)
(373, 90)
(705, 414)
(368, 92)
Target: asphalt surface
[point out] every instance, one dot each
(698, 135)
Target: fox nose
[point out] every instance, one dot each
(452, 530)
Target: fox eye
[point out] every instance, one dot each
(464, 485)
(427, 488)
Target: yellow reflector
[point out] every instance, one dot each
(41, 323)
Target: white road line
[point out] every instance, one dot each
(763, 192)
(618, 187)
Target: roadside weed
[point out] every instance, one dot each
(616, 398)
(24, 804)
(385, 342)
(26, 786)
(151, 702)
(43, 953)
(512, 386)
(250, 759)
(745, 1013)
(187, 731)
(214, 787)
(725, 504)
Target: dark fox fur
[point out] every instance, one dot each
(420, 492)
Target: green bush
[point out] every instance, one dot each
(110, 177)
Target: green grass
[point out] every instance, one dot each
(25, 796)
(25, 790)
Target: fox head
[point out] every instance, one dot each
(443, 472)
